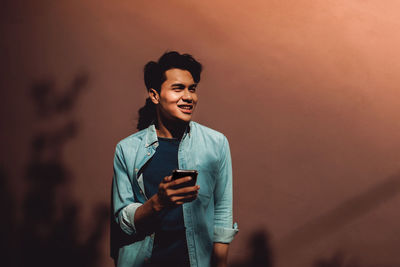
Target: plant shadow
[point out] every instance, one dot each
(49, 233)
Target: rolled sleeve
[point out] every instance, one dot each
(225, 235)
(124, 206)
(126, 218)
(224, 229)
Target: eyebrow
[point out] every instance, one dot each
(177, 85)
(182, 85)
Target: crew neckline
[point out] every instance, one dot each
(167, 139)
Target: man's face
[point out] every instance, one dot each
(178, 97)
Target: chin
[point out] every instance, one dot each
(184, 119)
(177, 117)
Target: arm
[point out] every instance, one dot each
(166, 197)
(134, 217)
(224, 230)
(220, 255)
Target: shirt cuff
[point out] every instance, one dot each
(225, 235)
(126, 218)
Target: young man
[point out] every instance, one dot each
(162, 223)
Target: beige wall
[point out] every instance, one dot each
(306, 92)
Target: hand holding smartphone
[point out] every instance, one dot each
(176, 174)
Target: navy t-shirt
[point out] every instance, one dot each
(170, 247)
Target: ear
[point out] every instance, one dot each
(154, 96)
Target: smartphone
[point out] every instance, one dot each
(176, 174)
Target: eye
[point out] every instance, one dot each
(177, 89)
(193, 88)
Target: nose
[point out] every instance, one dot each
(187, 96)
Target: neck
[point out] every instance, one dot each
(170, 129)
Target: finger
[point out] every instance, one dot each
(167, 179)
(187, 194)
(179, 181)
(183, 199)
(185, 190)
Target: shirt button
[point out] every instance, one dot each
(148, 153)
(136, 170)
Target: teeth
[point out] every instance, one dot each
(185, 107)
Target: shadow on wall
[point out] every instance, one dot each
(260, 251)
(317, 228)
(341, 215)
(7, 222)
(339, 259)
(261, 255)
(49, 233)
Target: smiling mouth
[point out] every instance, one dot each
(186, 108)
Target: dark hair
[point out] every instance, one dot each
(147, 114)
(154, 72)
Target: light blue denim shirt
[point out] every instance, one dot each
(208, 219)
